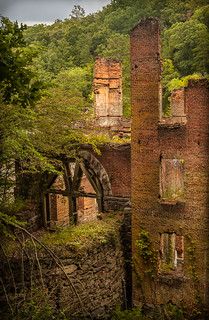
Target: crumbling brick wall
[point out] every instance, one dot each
(108, 106)
(107, 190)
(182, 215)
(116, 159)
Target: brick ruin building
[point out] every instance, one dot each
(89, 184)
(170, 182)
(108, 102)
(164, 171)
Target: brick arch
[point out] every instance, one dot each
(92, 163)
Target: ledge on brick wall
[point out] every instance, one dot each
(172, 123)
(171, 202)
(173, 279)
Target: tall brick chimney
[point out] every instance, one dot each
(146, 96)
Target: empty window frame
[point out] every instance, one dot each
(171, 252)
(172, 179)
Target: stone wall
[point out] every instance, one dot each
(92, 282)
(179, 215)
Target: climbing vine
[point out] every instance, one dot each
(147, 253)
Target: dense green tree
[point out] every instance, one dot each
(187, 44)
(77, 12)
(202, 15)
(16, 81)
(38, 134)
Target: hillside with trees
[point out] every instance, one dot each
(70, 46)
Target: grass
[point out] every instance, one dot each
(100, 231)
(78, 237)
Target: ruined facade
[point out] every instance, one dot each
(165, 173)
(170, 179)
(89, 186)
(108, 104)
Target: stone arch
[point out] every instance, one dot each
(93, 163)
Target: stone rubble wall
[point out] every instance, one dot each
(96, 273)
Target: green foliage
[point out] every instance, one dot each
(167, 311)
(202, 15)
(77, 12)
(187, 44)
(172, 312)
(146, 252)
(75, 42)
(7, 224)
(39, 307)
(168, 75)
(134, 314)
(16, 81)
(178, 83)
(34, 138)
(101, 231)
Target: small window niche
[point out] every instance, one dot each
(171, 253)
(173, 112)
(172, 181)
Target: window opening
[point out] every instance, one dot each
(172, 179)
(74, 196)
(171, 252)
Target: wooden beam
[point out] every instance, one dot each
(85, 195)
(54, 191)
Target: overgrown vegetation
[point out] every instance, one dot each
(47, 71)
(101, 231)
(75, 42)
(147, 253)
(46, 99)
(25, 287)
(135, 314)
(168, 311)
(41, 122)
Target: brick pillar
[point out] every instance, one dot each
(108, 106)
(146, 104)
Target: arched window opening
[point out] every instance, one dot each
(76, 196)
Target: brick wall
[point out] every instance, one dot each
(108, 106)
(154, 139)
(116, 160)
(87, 208)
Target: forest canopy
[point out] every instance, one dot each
(76, 41)
(46, 71)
